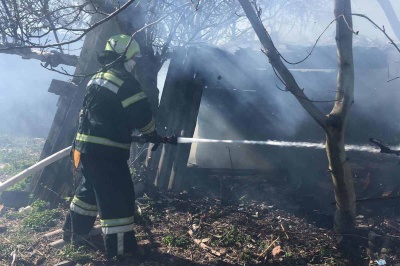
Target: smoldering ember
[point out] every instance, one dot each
(200, 132)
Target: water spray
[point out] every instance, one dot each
(294, 144)
(383, 148)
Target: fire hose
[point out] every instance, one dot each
(63, 153)
(35, 168)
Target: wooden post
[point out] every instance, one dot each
(66, 91)
(178, 115)
(167, 115)
(189, 117)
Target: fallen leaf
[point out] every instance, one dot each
(276, 251)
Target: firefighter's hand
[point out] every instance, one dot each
(153, 137)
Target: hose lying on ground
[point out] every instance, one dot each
(35, 168)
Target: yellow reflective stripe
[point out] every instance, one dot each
(149, 127)
(117, 229)
(115, 226)
(77, 209)
(84, 205)
(110, 77)
(107, 80)
(135, 98)
(104, 83)
(102, 141)
(117, 222)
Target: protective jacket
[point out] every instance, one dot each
(114, 105)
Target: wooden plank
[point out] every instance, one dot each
(62, 88)
(53, 233)
(169, 113)
(191, 98)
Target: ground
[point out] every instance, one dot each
(196, 228)
(251, 221)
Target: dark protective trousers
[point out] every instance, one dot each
(106, 189)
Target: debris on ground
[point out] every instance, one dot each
(198, 229)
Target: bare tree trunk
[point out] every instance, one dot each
(333, 124)
(338, 165)
(391, 16)
(345, 214)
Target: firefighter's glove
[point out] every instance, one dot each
(153, 137)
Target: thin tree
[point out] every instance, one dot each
(28, 25)
(334, 123)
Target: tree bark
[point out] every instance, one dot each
(345, 215)
(52, 58)
(334, 124)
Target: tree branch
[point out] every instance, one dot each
(276, 62)
(85, 31)
(49, 58)
(64, 72)
(382, 30)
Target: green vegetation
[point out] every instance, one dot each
(5, 249)
(16, 238)
(262, 245)
(20, 229)
(246, 256)
(17, 154)
(176, 241)
(79, 254)
(41, 218)
(232, 237)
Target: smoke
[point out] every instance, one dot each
(242, 101)
(26, 108)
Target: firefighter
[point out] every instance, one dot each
(114, 105)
